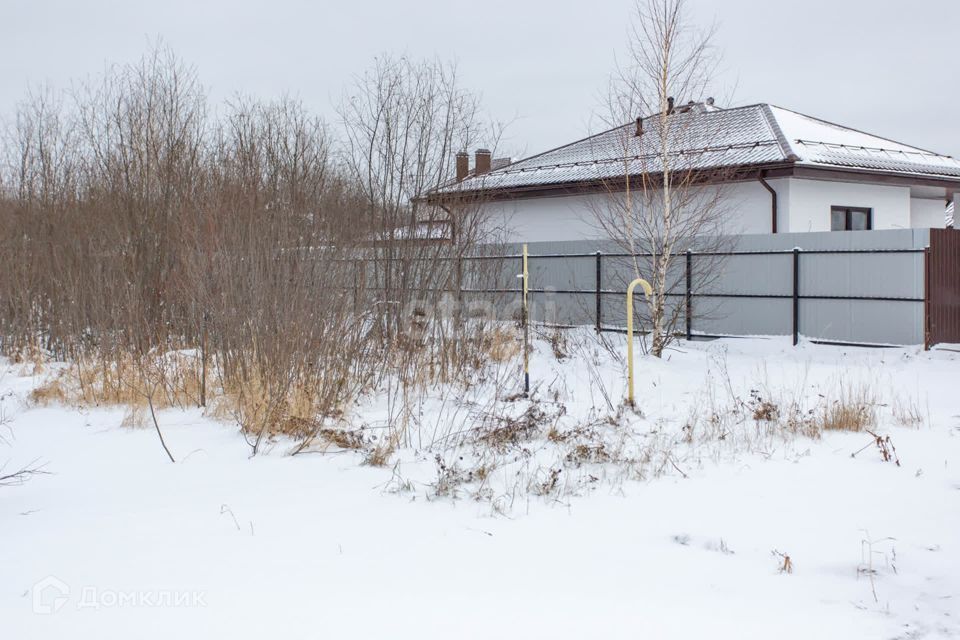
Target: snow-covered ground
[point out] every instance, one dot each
(118, 542)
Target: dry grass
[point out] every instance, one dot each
(342, 438)
(56, 390)
(381, 454)
(852, 409)
(32, 361)
(763, 409)
(559, 344)
(785, 564)
(169, 380)
(588, 454)
(906, 413)
(173, 380)
(276, 406)
(503, 344)
(501, 432)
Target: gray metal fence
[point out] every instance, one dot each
(860, 287)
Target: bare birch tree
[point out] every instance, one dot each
(654, 203)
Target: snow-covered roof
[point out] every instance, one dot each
(709, 138)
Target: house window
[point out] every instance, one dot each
(850, 219)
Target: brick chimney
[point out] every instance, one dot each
(463, 165)
(483, 161)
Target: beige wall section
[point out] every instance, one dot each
(811, 200)
(927, 212)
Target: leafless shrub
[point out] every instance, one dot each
(249, 264)
(884, 445)
(764, 410)
(451, 476)
(785, 563)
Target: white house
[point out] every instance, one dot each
(780, 171)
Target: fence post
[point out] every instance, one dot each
(689, 295)
(203, 360)
(926, 298)
(356, 287)
(459, 281)
(526, 323)
(796, 296)
(599, 290)
(523, 263)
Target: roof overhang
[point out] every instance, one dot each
(698, 177)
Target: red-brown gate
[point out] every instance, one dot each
(943, 287)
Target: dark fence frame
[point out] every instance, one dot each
(689, 295)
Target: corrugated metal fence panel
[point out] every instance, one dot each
(944, 286)
(742, 317)
(872, 275)
(862, 321)
(764, 274)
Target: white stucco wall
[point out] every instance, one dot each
(750, 206)
(925, 212)
(547, 219)
(810, 202)
(747, 207)
(803, 205)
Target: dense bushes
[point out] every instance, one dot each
(136, 221)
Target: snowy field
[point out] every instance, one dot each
(672, 522)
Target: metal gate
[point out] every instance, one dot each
(943, 287)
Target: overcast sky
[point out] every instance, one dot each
(887, 67)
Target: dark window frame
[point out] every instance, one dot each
(848, 217)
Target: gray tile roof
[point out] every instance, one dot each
(708, 138)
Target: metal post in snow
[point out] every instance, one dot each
(356, 287)
(796, 296)
(526, 326)
(689, 295)
(599, 290)
(203, 360)
(459, 281)
(926, 299)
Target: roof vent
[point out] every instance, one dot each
(670, 106)
(639, 127)
(709, 102)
